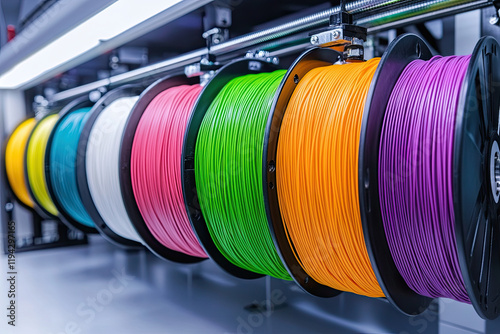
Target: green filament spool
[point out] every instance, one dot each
(228, 172)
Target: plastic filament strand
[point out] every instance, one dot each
(317, 176)
(14, 160)
(63, 164)
(416, 176)
(102, 166)
(228, 172)
(35, 163)
(156, 168)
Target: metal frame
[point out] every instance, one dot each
(380, 20)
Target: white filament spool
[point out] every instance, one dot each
(102, 166)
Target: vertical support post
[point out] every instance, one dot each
(269, 303)
(37, 226)
(62, 231)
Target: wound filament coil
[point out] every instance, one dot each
(35, 162)
(317, 176)
(102, 166)
(416, 175)
(15, 159)
(63, 164)
(228, 175)
(155, 168)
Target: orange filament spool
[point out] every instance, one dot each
(317, 176)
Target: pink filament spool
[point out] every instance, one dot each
(155, 167)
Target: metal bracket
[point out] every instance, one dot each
(342, 36)
(96, 94)
(215, 36)
(40, 106)
(263, 55)
(216, 22)
(496, 3)
(495, 19)
(208, 66)
(205, 69)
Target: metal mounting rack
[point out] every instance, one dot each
(376, 15)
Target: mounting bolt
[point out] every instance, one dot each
(335, 34)
(95, 95)
(494, 20)
(9, 207)
(314, 40)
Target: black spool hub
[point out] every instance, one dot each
(9, 187)
(125, 177)
(37, 206)
(476, 176)
(398, 55)
(225, 74)
(81, 173)
(64, 216)
(309, 60)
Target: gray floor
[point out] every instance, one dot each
(101, 289)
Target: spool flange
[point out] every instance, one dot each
(475, 195)
(310, 59)
(398, 55)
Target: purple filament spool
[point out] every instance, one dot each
(416, 176)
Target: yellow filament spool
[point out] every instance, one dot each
(35, 163)
(14, 160)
